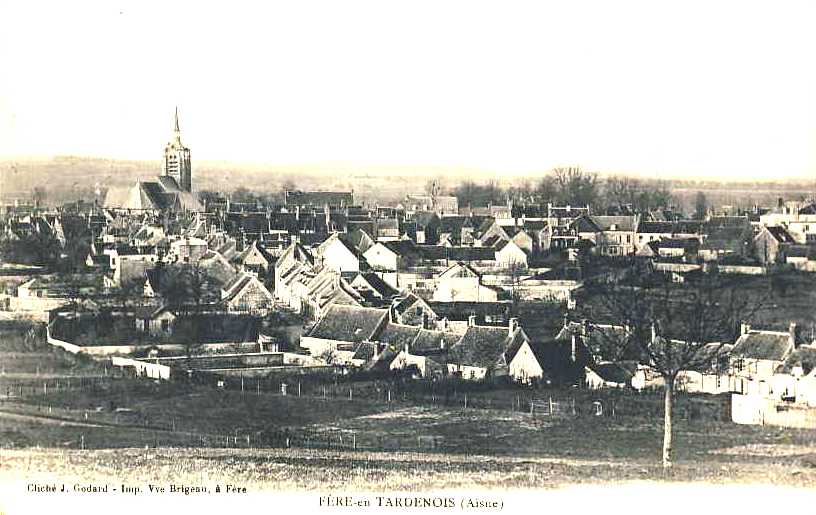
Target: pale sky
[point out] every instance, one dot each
(704, 89)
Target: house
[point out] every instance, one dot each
(724, 242)
(188, 250)
(684, 249)
(509, 255)
(757, 355)
(802, 257)
(339, 255)
(156, 321)
(461, 282)
(609, 375)
(413, 310)
(539, 231)
(427, 227)
(441, 204)
(343, 328)
(617, 237)
(524, 240)
(387, 229)
(525, 362)
(481, 353)
(255, 259)
(294, 260)
(771, 243)
(371, 287)
(455, 316)
(392, 255)
(456, 230)
(324, 289)
(360, 239)
(247, 294)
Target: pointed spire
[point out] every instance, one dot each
(176, 129)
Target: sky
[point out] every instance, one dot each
(709, 89)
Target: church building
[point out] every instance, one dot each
(170, 192)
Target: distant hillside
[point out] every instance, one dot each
(67, 178)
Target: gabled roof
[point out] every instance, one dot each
(429, 341)
(462, 310)
(534, 225)
(397, 335)
(650, 227)
(612, 372)
(809, 209)
(450, 224)
(459, 270)
(482, 346)
(255, 248)
(349, 323)
(615, 223)
(376, 284)
(361, 240)
(780, 234)
(401, 248)
(585, 224)
(297, 253)
(234, 289)
(765, 345)
(804, 356)
(337, 237)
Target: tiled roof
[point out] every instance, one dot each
(780, 234)
(647, 227)
(397, 335)
(612, 372)
(480, 347)
(765, 345)
(429, 341)
(348, 323)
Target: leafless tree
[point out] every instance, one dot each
(670, 327)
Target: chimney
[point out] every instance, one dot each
(471, 320)
(376, 350)
(745, 328)
(512, 327)
(792, 333)
(654, 333)
(573, 348)
(442, 343)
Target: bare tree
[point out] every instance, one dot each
(670, 327)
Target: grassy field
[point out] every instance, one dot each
(135, 430)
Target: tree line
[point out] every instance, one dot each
(571, 186)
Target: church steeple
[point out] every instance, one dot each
(177, 158)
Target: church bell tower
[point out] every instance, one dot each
(177, 159)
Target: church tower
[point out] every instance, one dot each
(177, 160)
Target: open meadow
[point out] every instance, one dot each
(76, 420)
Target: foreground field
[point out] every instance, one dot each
(62, 418)
(291, 469)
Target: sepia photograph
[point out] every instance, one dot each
(427, 256)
